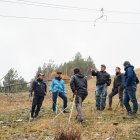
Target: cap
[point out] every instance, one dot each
(40, 74)
(59, 72)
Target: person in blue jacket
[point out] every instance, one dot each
(57, 88)
(130, 86)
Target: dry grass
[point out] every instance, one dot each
(14, 124)
(70, 133)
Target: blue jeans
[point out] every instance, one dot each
(130, 94)
(62, 96)
(101, 93)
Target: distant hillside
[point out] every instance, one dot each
(138, 72)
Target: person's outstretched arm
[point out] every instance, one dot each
(94, 73)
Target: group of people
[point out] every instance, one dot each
(124, 84)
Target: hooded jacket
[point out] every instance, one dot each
(78, 84)
(57, 85)
(129, 77)
(102, 77)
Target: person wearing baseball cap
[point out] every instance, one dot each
(39, 88)
(57, 88)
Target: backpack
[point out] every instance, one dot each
(137, 79)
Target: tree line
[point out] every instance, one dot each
(85, 64)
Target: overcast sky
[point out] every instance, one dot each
(26, 44)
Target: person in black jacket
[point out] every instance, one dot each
(103, 81)
(78, 84)
(39, 88)
(117, 88)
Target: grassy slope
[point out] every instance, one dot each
(14, 125)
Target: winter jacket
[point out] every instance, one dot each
(102, 77)
(129, 77)
(118, 80)
(39, 88)
(57, 85)
(78, 84)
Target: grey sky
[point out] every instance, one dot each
(26, 44)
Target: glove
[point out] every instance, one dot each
(30, 94)
(75, 92)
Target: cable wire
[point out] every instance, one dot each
(66, 20)
(41, 18)
(27, 2)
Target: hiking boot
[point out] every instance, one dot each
(129, 116)
(102, 109)
(109, 109)
(35, 116)
(80, 120)
(54, 113)
(31, 118)
(134, 114)
(98, 109)
(66, 111)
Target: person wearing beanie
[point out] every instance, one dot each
(102, 82)
(78, 84)
(57, 88)
(39, 88)
(130, 86)
(117, 88)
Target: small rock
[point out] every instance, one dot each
(115, 123)
(4, 127)
(97, 135)
(1, 122)
(19, 120)
(110, 138)
(100, 117)
(99, 122)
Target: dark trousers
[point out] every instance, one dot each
(78, 103)
(130, 95)
(62, 96)
(115, 91)
(36, 105)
